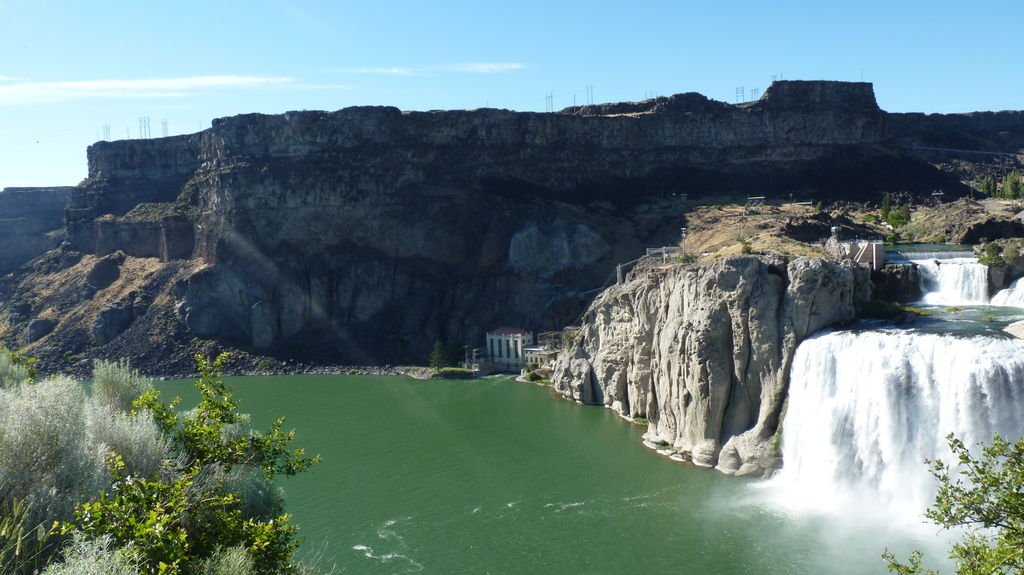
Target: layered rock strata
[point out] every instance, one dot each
(702, 352)
(364, 235)
(31, 222)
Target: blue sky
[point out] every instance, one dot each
(68, 68)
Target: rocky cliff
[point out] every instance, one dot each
(366, 234)
(31, 222)
(702, 352)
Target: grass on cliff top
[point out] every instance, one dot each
(933, 224)
(717, 231)
(151, 212)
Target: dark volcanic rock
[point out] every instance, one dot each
(39, 328)
(105, 271)
(111, 322)
(899, 283)
(364, 235)
(31, 222)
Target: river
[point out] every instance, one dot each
(493, 476)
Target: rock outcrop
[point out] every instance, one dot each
(31, 222)
(364, 235)
(703, 351)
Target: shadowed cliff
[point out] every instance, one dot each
(364, 235)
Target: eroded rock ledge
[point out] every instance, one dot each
(703, 352)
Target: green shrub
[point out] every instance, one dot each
(116, 384)
(84, 556)
(533, 376)
(992, 255)
(13, 368)
(898, 217)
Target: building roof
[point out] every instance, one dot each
(508, 331)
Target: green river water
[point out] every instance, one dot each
(493, 476)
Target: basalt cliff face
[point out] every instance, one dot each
(703, 351)
(31, 222)
(364, 235)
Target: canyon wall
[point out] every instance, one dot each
(366, 234)
(31, 220)
(703, 352)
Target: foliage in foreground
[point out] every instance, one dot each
(126, 484)
(985, 496)
(177, 522)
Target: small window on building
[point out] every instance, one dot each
(508, 348)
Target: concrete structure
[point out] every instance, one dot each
(506, 347)
(866, 253)
(540, 355)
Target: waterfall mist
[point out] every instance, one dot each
(866, 409)
(959, 281)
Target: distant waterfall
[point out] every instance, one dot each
(865, 409)
(960, 281)
(1012, 296)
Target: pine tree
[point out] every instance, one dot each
(886, 206)
(438, 357)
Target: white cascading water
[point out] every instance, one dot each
(866, 409)
(1012, 296)
(958, 281)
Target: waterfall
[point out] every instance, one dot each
(865, 410)
(958, 281)
(1012, 296)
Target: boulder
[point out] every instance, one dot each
(111, 322)
(39, 328)
(105, 271)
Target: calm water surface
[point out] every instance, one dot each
(493, 476)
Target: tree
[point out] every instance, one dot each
(438, 357)
(988, 186)
(886, 205)
(1011, 186)
(985, 495)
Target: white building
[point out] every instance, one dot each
(542, 356)
(505, 347)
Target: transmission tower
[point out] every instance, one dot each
(106, 132)
(163, 127)
(739, 95)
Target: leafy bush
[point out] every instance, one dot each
(899, 216)
(992, 255)
(179, 522)
(983, 495)
(147, 491)
(116, 384)
(12, 371)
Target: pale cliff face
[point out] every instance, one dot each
(703, 352)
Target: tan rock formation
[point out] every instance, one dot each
(703, 352)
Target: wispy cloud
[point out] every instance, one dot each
(15, 92)
(483, 67)
(462, 68)
(383, 71)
